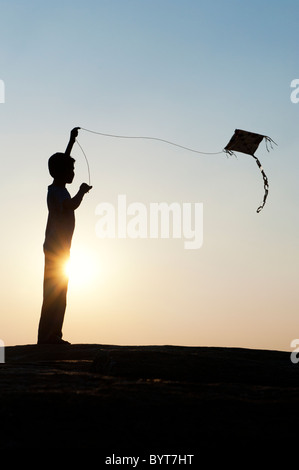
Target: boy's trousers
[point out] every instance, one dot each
(54, 298)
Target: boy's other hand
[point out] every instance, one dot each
(85, 188)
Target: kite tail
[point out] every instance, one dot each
(266, 184)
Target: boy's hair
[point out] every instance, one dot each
(59, 164)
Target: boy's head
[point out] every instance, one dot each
(61, 167)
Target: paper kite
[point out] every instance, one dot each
(248, 142)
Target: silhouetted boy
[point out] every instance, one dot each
(58, 238)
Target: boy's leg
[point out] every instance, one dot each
(54, 299)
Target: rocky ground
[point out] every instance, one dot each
(139, 400)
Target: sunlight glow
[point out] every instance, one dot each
(81, 268)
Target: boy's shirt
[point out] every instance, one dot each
(61, 222)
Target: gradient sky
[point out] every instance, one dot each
(187, 71)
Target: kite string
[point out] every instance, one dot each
(138, 137)
(86, 161)
(151, 138)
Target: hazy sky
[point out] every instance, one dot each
(188, 71)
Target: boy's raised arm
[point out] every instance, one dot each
(74, 134)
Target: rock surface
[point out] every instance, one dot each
(137, 400)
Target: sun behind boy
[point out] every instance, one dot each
(57, 244)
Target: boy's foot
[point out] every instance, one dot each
(56, 340)
(61, 341)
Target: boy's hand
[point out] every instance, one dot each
(85, 188)
(74, 132)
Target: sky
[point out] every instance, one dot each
(190, 72)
